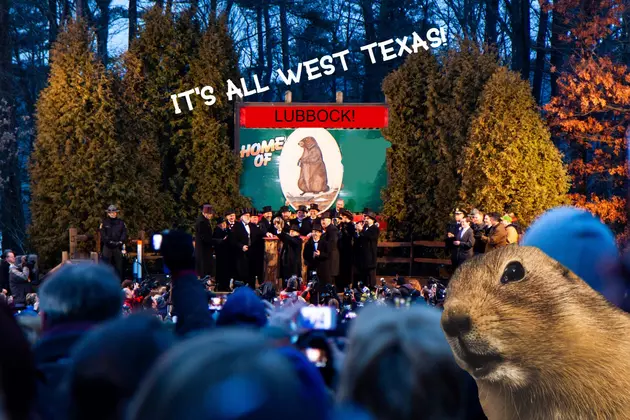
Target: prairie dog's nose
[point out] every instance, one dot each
(456, 323)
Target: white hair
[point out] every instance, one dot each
(81, 293)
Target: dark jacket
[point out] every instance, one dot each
(366, 243)
(203, 247)
(452, 227)
(478, 231)
(20, 286)
(4, 276)
(290, 256)
(331, 237)
(347, 233)
(113, 232)
(305, 225)
(224, 254)
(318, 263)
(257, 252)
(239, 238)
(266, 226)
(464, 250)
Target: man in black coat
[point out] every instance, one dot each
(366, 242)
(113, 236)
(347, 233)
(336, 212)
(230, 220)
(285, 214)
(479, 229)
(291, 254)
(304, 223)
(19, 280)
(257, 249)
(331, 237)
(266, 223)
(313, 214)
(241, 238)
(451, 231)
(315, 256)
(221, 244)
(463, 243)
(204, 260)
(4, 273)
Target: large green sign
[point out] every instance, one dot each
(313, 165)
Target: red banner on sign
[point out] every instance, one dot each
(320, 116)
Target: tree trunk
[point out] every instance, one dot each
(213, 9)
(541, 52)
(517, 35)
(65, 11)
(194, 5)
(261, 47)
(268, 51)
(284, 33)
(52, 21)
(133, 20)
(557, 55)
(102, 30)
(228, 9)
(81, 9)
(526, 40)
(492, 13)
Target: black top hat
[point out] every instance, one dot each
(229, 211)
(371, 215)
(244, 211)
(326, 215)
(317, 227)
(267, 209)
(207, 208)
(347, 213)
(314, 206)
(302, 208)
(220, 220)
(253, 212)
(295, 227)
(284, 209)
(366, 210)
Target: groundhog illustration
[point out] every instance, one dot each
(540, 343)
(313, 176)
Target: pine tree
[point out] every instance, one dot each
(510, 163)
(214, 169)
(75, 166)
(410, 193)
(454, 101)
(164, 50)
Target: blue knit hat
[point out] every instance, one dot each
(576, 239)
(243, 307)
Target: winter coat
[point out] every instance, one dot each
(203, 247)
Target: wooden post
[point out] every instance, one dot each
(304, 267)
(97, 238)
(64, 257)
(288, 97)
(339, 97)
(94, 257)
(73, 242)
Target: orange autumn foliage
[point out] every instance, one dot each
(591, 112)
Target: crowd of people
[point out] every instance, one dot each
(477, 233)
(87, 346)
(341, 251)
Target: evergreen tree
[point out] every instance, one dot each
(214, 169)
(454, 101)
(510, 163)
(409, 197)
(164, 50)
(76, 165)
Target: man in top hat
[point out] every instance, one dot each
(331, 237)
(230, 218)
(241, 238)
(224, 262)
(291, 254)
(204, 260)
(257, 249)
(316, 255)
(266, 223)
(366, 243)
(304, 223)
(451, 233)
(285, 214)
(113, 237)
(347, 233)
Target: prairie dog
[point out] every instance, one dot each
(540, 343)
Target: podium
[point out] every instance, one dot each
(273, 248)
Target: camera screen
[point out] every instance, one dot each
(351, 315)
(317, 318)
(157, 241)
(316, 356)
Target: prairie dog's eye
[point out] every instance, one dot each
(514, 271)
